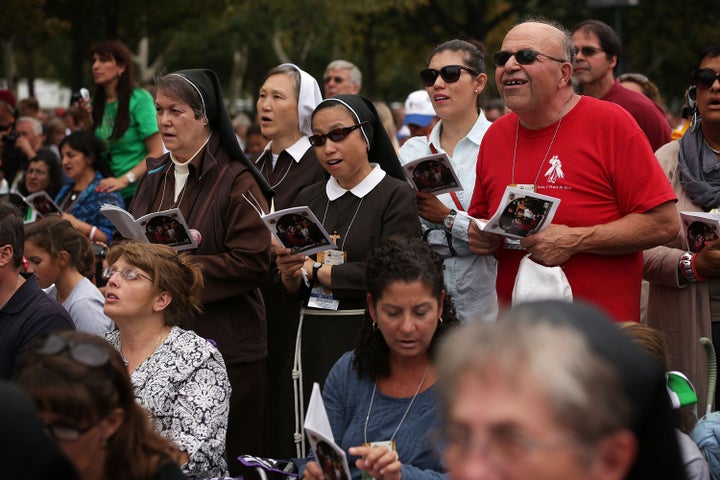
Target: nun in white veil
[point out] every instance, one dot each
(286, 100)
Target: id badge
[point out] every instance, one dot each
(321, 298)
(332, 257)
(389, 444)
(530, 187)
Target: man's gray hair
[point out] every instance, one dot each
(355, 73)
(36, 124)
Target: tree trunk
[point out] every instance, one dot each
(9, 64)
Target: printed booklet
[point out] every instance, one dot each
(299, 230)
(521, 213)
(167, 227)
(41, 203)
(433, 174)
(700, 228)
(330, 457)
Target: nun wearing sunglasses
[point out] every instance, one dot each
(85, 400)
(365, 201)
(455, 79)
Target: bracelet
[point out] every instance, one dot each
(699, 277)
(93, 231)
(686, 267)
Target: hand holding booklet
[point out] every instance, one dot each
(521, 213)
(700, 228)
(432, 174)
(167, 227)
(298, 229)
(331, 458)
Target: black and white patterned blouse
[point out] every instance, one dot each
(184, 385)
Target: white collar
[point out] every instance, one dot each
(296, 150)
(335, 191)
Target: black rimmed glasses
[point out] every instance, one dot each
(704, 78)
(449, 74)
(335, 135)
(588, 51)
(526, 56)
(128, 274)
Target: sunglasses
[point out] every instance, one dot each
(449, 74)
(88, 354)
(704, 78)
(128, 274)
(66, 432)
(588, 51)
(334, 79)
(526, 56)
(335, 135)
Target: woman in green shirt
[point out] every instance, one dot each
(124, 117)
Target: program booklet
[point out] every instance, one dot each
(41, 203)
(329, 456)
(432, 174)
(167, 227)
(700, 228)
(521, 213)
(299, 230)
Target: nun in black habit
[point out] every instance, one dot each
(221, 195)
(365, 201)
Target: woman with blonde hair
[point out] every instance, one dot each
(177, 375)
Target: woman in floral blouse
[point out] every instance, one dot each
(176, 374)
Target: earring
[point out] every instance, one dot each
(374, 326)
(476, 91)
(440, 321)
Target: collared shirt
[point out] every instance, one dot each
(335, 191)
(296, 150)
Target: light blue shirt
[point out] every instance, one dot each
(469, 278)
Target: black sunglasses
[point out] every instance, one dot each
(588, 51)
(526, 56)
(335, 135)
(84, 353)
(334, 79)
(449, 74)
(704, 78)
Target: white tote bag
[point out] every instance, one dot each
(538, 282)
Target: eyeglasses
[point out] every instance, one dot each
(704, 78)
(334, 79)
(588, 51)
(66, 432)
(501, 444)
(128, 274)
(85, 353)
(335, 135)
(526, 56)
(37, 172)
(449, 74)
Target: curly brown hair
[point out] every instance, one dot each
(399, 260)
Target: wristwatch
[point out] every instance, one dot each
(449, 219)
(316, 268)
(131, 178)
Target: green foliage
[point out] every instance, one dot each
(388, 39)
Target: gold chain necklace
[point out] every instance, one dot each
(10, 293)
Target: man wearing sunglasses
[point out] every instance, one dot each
(25, 310)
(614, 197)
(598, 52)
(341, 76)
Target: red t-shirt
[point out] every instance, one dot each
(602, 169)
